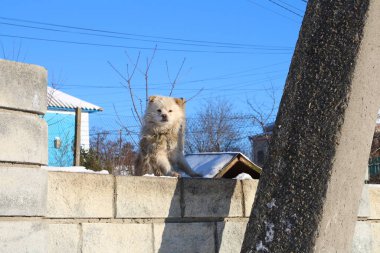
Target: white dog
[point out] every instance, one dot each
(162, 139)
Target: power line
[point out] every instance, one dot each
(187, 82)
(134, 47)
(285, 8)
(290, 5)
(275, 12)
(140, 35)
(257, 47)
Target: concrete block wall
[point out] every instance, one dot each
(103, 213)
(367, 230)
(23, 149)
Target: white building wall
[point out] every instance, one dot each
(85, 131)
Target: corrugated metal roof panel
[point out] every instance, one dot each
(60, 100)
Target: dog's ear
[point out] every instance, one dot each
(152, 98)
(180, 102)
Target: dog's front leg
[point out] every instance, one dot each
(165, 166)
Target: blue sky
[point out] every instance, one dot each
(234, 50)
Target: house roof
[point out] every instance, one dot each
(58, 100)
(218, 164)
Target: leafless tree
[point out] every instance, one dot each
(127, 81)
(109, 153)
(263, 115)
(14, 54)
(213, 129)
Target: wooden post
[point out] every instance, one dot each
(77, 141)
(308, 195)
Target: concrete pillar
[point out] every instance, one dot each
(308, 194)
(23, 149)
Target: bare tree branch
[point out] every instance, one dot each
(146, 77)
(129, 86)
(213, 130)
(177, 76)
(195, 95)
(120, 123)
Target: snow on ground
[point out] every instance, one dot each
(79, 169)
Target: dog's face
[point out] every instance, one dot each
(164, 111)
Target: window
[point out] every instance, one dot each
(260, 157)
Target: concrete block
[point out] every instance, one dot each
(374, 199)
(364, 208)
(212, 198)
(230, 236)
(184, 237)
(23, 86)
(23, 191)
(23, 236)
(64, 238)
(362, 241)
(108, 237)
(376, 237)
(79, 195)
(249, 192)
(23, 138)
(147, 197)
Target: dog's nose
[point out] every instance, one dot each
(164, 116)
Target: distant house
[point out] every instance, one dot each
(260, 144)
(222, 165)
(60, 118)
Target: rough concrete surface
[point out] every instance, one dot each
(212, 198)
(364, 205)
(376, 237)
(362, 242)
(230, 236)
(117, 238)
(23, 236)
(249, 192)
(374, 197)
(139, 197)
(184, 237)
(79, 195)
(309, 192)
(64, 238)
(23, 191)
(23, 138)
(23, 86)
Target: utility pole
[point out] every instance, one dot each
(120, 141)
(77, 142)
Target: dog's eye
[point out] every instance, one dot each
(159, 110)
(170, 110)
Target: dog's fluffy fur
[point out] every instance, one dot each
(162, 139)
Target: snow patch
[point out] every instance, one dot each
(152, 175)
(208, 164)
(243, 176)
(78, 169)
